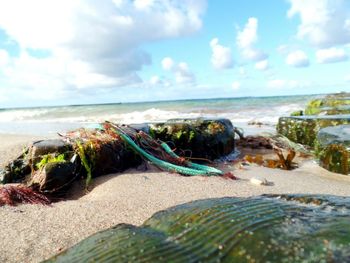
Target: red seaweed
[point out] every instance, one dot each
(20, 194)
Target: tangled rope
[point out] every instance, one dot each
(159, 153)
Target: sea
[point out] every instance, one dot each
(252, 114)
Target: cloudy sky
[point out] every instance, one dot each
(55, 52)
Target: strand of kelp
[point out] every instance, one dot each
(192, 169)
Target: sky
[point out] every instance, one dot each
(63, 52)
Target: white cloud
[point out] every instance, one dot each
(324, 23)
(95, 44)
(330, 55)
(4, 57)
(221, 57)
(155, 80)
(262, 65)
(183, 75)
(236, 85)
(167, 63)
(181, 71)
(143, 4)
(246, 40)
(242, 72)
(297, 59)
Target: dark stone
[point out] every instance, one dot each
(15, 171)
(112, 157)
(54, 176)
(199, 138)
(40, 148)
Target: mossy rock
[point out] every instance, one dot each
(304, 129)
(54, 177)
(287, 228)
(15, 171)
(332, 104)
(297, 113)
(338, 110)
(202, 138)
(333, 148)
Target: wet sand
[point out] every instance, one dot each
(32, 233)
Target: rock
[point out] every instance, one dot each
(15, 171)
(329, 105)
(324, 128)
(333, 148)
(54, 176)
(297, 113)
(284, 228)
(304, 129)
(200, 138)
(44, 147)
(258, 181)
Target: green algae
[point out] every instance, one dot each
(50, 158)
(286, 228)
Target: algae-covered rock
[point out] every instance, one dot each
(297, 113)
(204, 138)
(44, 147)
(333, 148)
(15, 171)
(291, 228)
(304, 129)
(54, 176)
(330, 105)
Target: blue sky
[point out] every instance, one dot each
(76, 52)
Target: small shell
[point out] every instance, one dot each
(258, 181)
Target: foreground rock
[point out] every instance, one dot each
(319, 127)
(288, 228)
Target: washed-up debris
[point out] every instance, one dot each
(285, 163)
(275, 228)
(159, 153)
(51, 166)
(258, 181)
(255, 142)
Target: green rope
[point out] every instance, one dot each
(194, 169)
(196, 166)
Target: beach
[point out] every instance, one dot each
(32, 233)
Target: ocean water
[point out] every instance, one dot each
(241, 111)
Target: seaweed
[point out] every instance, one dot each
(284, 163)
(18, 194)
(50, 158)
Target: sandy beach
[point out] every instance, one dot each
(32, 233)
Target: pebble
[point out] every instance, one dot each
(258, 181)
